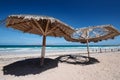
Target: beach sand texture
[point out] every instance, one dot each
(106, 69)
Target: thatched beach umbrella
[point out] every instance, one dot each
(40, 25)
(93, 34)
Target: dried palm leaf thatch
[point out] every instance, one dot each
(41, 25)
(94, 34)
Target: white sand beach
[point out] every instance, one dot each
(106, 69)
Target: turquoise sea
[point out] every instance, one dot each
(50, 48)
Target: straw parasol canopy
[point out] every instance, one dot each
(93, 34)
(40, 25)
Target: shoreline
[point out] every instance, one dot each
(57, 53)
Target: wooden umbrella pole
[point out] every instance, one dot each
(43, 50)
(88, 49)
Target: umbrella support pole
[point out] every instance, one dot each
(43, 50)
(88, 49)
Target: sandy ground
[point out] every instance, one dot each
(106, 69)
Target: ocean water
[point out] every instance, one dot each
(11, 49)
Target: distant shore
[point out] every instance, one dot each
(54, 49)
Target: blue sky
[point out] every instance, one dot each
(76, 13)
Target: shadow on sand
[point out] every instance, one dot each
(77, 59)
(29, 66)
(32, 66)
